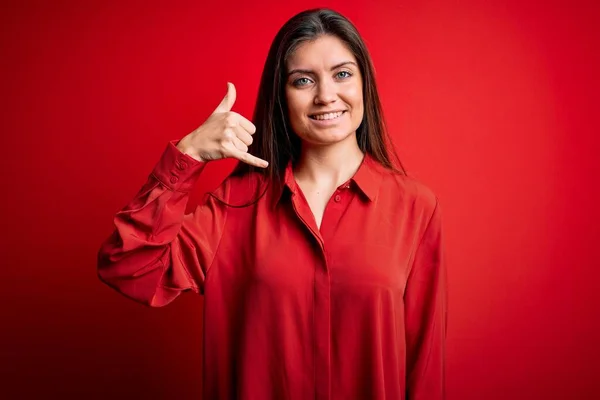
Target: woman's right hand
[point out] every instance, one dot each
(225, 134)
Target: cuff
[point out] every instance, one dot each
(176, 170)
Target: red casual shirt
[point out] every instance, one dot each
(353, 310)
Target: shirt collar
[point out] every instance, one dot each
(367, 179)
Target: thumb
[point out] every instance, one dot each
(228, 101)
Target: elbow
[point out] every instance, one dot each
(145, 295)
(140, 284)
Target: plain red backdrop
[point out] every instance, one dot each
(494, 105)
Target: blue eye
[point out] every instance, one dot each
(301, 82)
(348, 74)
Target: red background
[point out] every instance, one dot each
(494, 105)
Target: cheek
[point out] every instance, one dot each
(358, 97)
(355, 97)
(295, 116)
(292, 105)
(352, 94)
(296, 107)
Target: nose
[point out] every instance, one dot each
(326, 92)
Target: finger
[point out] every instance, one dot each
(249, 159)
(240, 145)
(243, 135)
(247, 125)
(228, 101)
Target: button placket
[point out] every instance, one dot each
(337, 197)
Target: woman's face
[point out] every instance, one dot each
(324, 91)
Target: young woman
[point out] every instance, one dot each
(320, 260)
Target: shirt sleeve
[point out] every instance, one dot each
(156, 251)
(426, 316)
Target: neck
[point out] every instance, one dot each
(328, 166)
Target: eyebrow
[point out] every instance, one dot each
(308, 71)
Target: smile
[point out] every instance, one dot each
(327, 116)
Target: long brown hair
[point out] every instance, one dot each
(274, 140)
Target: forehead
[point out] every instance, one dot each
(320, 53)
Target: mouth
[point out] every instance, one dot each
(327, 116)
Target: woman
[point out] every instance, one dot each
(319, 259)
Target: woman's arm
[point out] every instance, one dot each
(426, 316)
(156, 252)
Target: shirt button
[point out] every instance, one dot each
(181, 165)
(173, 179)
(337, 198)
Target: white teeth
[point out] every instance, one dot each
(321, 117)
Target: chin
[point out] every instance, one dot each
(327, 136)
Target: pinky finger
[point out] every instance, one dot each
(250, 159)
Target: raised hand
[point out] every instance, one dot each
(225, 134)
